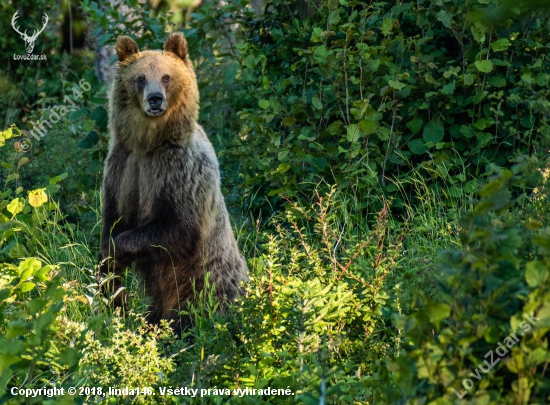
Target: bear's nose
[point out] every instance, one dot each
(155, 100)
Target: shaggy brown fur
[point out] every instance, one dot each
(163, 207)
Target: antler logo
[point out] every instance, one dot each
(29, 40)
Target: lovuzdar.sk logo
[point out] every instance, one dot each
(29, 39)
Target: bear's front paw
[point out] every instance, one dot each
(123, 251)
(109, 262)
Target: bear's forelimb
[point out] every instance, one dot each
(158, 239)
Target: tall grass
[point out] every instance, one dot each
(325, 277)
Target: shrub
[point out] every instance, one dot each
(361, 93)
(483, 336)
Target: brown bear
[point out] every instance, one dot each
(163, 209)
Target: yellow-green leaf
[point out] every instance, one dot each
(353, 133)
(535, 273)
(485, 66)
(15, 206)
(367, 127)
(26, 286)
(288, 121)
(37, 197)
(396, 84)
(500, 45)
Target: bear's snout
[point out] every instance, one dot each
(155, 100)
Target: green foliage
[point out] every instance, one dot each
(118, 357)
(27, 354)
(76, 145)
(110, 22)
(491, 311)
(358, 94)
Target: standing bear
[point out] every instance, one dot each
(163, 209)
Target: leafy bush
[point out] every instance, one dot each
(119, 357)
(360, 94)
(491, 314)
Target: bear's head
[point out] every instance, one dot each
(156, 84)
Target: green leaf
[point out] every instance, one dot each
(283, 167)
(373, 64)
(31, 263)
(26, 286)
(321, 53)
(542, 79)
(288, 121)
(535, 273)
(455, 192)
(5, 293)
(415, 124)
(57, 179)
(98, 100)
(88, 125)
(283, 154)
(491, 334)
(42, 274)
(468, 79)
(527, 121)
(438, 311)
(478, 33)
(352, 133)
(26, 274)
(383, 133)
(316, 101)
(449, 88)
(417, 146)
(101, 118)
(75, 115)
(317, 35)
(480, 96)
(368, 127)
(319, 163)
(7, 360)
(230, 72)
(334, 17)
(500, 45)
(497, 81)
(18, 251)
(396, 84)
(16, 206)
(90, 141)
(485, 66)
(433, 133)
(36, 305)
(334, 127)
(263, 104)
(387, 25)
(444, 17)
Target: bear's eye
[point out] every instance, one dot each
(141, 80)
(165, 78)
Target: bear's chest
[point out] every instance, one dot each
(139, 187)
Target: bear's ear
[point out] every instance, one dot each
(177, 44)
(125, 47)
